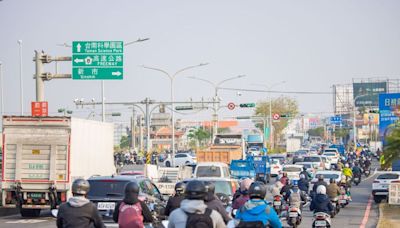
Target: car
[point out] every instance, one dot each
(280, 157)
(106, 191)
(334, 156)
(292, 171)
(380, 186)
(327, 162)
(316, 160)
(223, 186)
(299, 155)
(276, 167)
(181, 159)
(212, 169)
(328, 174)
(309, 167)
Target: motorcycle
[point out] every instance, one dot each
(357, 179)
(367, 172)
(321, 220)
(336, 206)
(294, 216)
(343, 198)
(277, 203)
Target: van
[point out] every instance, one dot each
(212, 169)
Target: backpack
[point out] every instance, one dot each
(199, 220)
(130, 216)
(294, 196)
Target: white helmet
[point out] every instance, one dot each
(321, 190)
(347, 165)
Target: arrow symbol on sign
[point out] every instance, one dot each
(118, 73)
(78, 60)
(78, 47)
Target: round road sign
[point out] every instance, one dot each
(276, 116)
(231, 106)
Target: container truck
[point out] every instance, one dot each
(226, 147)
(42, 156)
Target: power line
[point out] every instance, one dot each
(276, 91)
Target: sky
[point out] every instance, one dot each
(310, 45)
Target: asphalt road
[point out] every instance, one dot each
(353, 215)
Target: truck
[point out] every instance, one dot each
(42, 156)
(255, 144)
(293, 144)
(226, 147)
(340, 147)
(262, 168)
(242, 168)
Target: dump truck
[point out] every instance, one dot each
(226, 147)
(42, 156)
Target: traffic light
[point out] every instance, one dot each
(247, 105)
(374, 111)
(285, 115)
(179, 108)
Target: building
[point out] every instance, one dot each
(120, 129)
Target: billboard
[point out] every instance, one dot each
(389, 104)
(373, 89)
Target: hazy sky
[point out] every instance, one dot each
(309, 44)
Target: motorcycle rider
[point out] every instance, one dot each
(333, 189)
(321, 202)
(347, 172)
(276, 189)
(346, 185)
(242, 190)
(284, 179)
(175, 201)
(79, 212)
(285, 191)
(244, 196)
(356, 170)
(256, 210)
(131, 212)
(319, 182)
(214, 203)
(306, 174)
(194, 210)
(303, 184)
(296, 198)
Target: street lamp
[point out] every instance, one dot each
(216, 98)
(20, 78)
(271, 139)
(354, 119)
(172, 78)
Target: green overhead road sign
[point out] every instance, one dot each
(247, 105)
(184, 108)
(97, 60)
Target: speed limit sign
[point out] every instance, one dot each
(231, 106)
(276, 116)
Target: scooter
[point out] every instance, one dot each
(278, 204)
(357, 179)
(336, 206)
(321, 220)
(294, 216)
(343, 198)
(367, 172)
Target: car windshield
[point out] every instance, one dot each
(291, 169)
(328, 176)
(312, 159)
(208, 171)
(328, 150)
(387, 176)
(300, 153)
(242, 173)
(307, 166)
(107, 188)
(223, 187)
(274, 162)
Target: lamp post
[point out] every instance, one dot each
(21, 85)
(216, 98)
(1, 87)
(354, 120)
(271, 139)
(172, 79)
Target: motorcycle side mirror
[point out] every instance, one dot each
(54, 213)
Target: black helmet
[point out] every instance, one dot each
(210, 187)
(180, 188)
(332, 180)
(304, 168)
(320, 177)
(132, 187)
(195, 190)
(80, 187)
(257, 190)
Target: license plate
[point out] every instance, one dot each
(385, 186)
(261, 175)
(277, 203)
(293, 214)
(334, 205)
(320, 223)
(36, 195)
(105, 206)
(342, 201)
(356, 179)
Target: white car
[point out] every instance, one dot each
(337, 175)
(212, 169)
(311, 168)
(292, 171)
(334, 156)
(316, 160)
(327, 162)
(380, 186)
(181, 159)
(276, 167)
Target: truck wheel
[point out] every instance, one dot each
(377, 199)
(168, 164)
(32, 213)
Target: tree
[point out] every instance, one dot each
(281, 105)
(391, 151)
(124, 142)
(319, 131)
(200, 136)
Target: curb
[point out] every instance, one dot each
(8, 211)
(380, 215)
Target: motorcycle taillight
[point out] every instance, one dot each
(277, 198)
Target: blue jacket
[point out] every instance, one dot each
(258, 210)
(321, 203)
(303, 185)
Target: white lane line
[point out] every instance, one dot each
(376, 169)
(26, 221)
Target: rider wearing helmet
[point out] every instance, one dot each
(214, 203)
(285, 191)
(284, 179)
(333, 189)
(244, 193)
(347, 172)
(256, 210)
(79, 212)
(303, 184)
(132, 212)
(175, 201)
(194, 208)
(295, 196)
(319, 182)
(306, 174)
(321, 202)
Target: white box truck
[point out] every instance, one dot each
(42, 156)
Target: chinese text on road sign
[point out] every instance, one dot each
(97, 60)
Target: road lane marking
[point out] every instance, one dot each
(373, 174)
(366, 214)
(27, 221)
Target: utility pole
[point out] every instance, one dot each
(140, 133)
(21, 82)
(133, 128)
(1, 87)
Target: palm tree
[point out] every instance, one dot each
(392, 148)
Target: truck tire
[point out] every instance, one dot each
(168, 164)
(30, 213)
(377, 199)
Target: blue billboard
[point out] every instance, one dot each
(389, 104)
